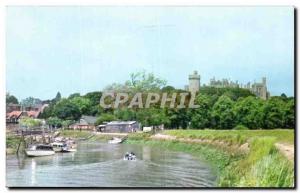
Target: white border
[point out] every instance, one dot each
(5, 3)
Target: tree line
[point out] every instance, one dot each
(220, 108)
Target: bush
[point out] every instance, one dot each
(240, 127)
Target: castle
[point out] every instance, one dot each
(259, 89)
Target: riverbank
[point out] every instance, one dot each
(240, 158)
(260, 165)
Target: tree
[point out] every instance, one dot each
(141, 81)
(105, 117)
(83, 104)
(66, 123)
(31, 102)
(152, 117)
(201, 117)
(74, 95)
(54, 122)
(11, 99)
(66, 110)
(125, 114)
(249, 112)
(222, 113)
(30, 122)
(57, 97)
(94, 97)
(274, 113)
(289, 114)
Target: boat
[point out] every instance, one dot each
(115, 140)
(63, 147)
(58, 146)
(39, 150)
(130, 156)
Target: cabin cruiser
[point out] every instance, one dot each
(130, 156)
(63, 147)
(58, 146)
(39, 150)
(115, 140)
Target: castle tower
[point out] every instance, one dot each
(194, 82)
(264, 81)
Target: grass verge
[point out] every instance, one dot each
(263, 166)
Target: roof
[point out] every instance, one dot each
(33, 114)
(89, 119)
(15, 114)
(121, 122)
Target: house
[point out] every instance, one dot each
(15, 116)
(85, 123)
(14, 112)
(120, 127)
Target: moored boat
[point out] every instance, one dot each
(58, 146)
(115, 140)
(40, 150)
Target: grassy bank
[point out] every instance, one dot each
(263, 166)
(235, 136)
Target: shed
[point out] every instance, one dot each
(121, 127)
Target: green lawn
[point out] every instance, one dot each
(235, 136)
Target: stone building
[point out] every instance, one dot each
(224, 83)
(260, 89)
(194, 82)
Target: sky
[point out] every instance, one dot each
(84, 49)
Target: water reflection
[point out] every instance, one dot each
(101, 165)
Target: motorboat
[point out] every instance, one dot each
(58, 146)
(130, 156)
(63, 147)
(115, 140)
(40, 150)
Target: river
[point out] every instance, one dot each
(101, 165)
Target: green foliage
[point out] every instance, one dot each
(249, 112)
(65, 109)
(274, 113)
(235, 136)
(222, 113)
(233, 93)
(30, 122)
(66, 123)
(30, 102)
(94, 97)
(83, 104)
(240, 127)
(220, 108)
(105, 117)
(11, 99)
(152, 117)
(201, 117)
(262, 167)
(54, 121)
(74, 95)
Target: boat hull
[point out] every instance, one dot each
(38, 153)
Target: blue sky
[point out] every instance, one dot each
(83, 49)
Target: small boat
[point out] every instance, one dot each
(63, 147)
(130, 156)
(39, 150)
(58, 146)
(67, 149)
(115, 140)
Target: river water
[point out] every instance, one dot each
(102, 165)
